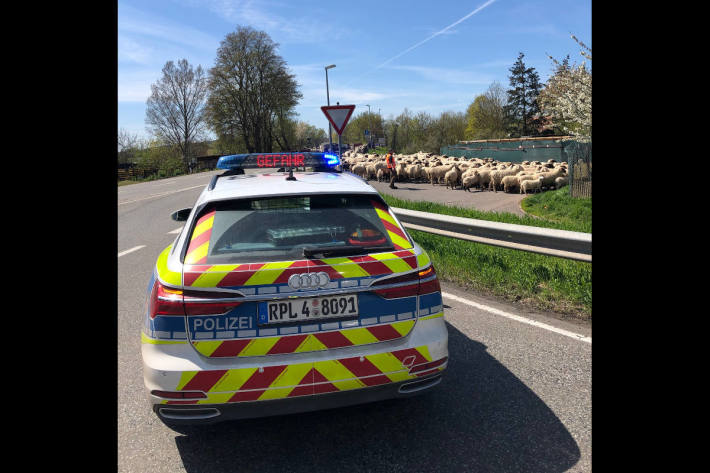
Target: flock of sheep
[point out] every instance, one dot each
(485, 173)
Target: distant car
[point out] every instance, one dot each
(325, 147)
(287, 292)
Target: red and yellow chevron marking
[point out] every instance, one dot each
(302, 379)
(303, 342)
(253, 274)
(165, 274)
(200, 241)
(399, 239)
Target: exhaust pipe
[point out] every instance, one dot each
(415, 386)
(189, 414)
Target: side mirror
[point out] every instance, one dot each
(181, 215)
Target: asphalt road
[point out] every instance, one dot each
(486, 201)
(516, 397)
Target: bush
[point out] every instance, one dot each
(165, 159)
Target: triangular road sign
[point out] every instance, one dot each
(338, 115)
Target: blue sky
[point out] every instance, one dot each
(390, 54)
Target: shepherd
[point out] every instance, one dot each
(391, 167)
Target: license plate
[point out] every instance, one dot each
(309, 309)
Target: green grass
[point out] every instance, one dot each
(577, 224)
(557, 206)
(536, 281)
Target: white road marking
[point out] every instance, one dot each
(161, 195)
(518, 318)
(135, 248)
(177, 230)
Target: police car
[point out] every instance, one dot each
(288, 290)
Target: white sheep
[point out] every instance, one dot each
(437, 173)
(510, 183)
(470, 180)
(498, 175)
(549, 177)
(531, 184)
(561, 182)
(401, 171)
(484, 178)
(360, 170)
(451, 178)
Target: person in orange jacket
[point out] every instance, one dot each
(391, 167)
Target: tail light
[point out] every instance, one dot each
(428, 282)
(422, 282)
(166, 301)
(209, 303)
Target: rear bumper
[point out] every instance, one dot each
(239, 388)
(212, 413)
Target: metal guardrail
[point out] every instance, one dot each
(546, 241)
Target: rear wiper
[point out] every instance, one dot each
(344, 250)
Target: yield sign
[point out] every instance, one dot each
(338, 115)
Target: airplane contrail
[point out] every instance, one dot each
(427, 39)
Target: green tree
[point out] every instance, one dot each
(446, 130)
(175, 108)
(308, 136)
(355, 130)
(162, 159)
(485, 117)
(522, 113)
(251, 93)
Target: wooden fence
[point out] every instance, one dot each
(579, 163)
(132, 173)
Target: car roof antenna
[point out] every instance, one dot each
(290, 175)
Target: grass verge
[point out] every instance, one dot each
(537, 281)
(557, 206)
(577, 225)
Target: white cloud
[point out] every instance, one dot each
(498, 63)
(135, 86)
(131, 51)
(309, 28)
(451, 76)
(429, 38)
(137, 22)
(316, 97)
(359, 95)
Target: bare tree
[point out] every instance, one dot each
(175, 108)
(128, 146)
(126, 140)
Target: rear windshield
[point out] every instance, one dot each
(280, 228)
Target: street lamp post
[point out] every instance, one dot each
(327, 91)
(369, 125)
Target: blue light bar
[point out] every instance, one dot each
(231, 161)
(318, 161)
(331, 159)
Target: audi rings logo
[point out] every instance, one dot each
(308, 280)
